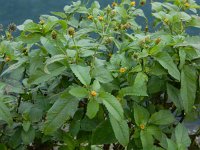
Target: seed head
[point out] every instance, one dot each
(54, 35)
(42, 22)
(12, 27)
(71, 31)
(158, 40)
(114, 4)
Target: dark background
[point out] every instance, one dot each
(18, 11)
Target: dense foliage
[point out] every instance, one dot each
(93, 78)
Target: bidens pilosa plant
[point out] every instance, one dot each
(94, 78)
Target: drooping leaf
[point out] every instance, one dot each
(112, 105)
(167, 62)
(174, 96)
(162, 117)
(140, 85)
(14, 66)
(92, 108)
(5, 114)
(28, 137)
(146, 139)
(121, 130)
(141, 115)
(188, 87)
(82, 73)
(61, 111)
(103, 134)
(40, 77)
(182, 137)
(52, 60)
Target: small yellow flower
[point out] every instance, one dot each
(122, 70)
(100, 18)
(90, 17)
(142, 126)
(166, 20)
(187, 5)
(93, 93)
(110, 54)
(114, 4)
(7, 59)
(132, 3)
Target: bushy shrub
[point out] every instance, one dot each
(93, 78)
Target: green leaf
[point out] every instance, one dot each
(171, 145)
(103, 134)
(52, 60)
(141, 115)
(167, 62)
(26, 125)
(154, 131)
(79, 92)
(174, 96)
(41, 77)
(147, 140)
(3, 146)
(102, 75)
(60, 112)
(121, 130)
(162, 117)
(182, 137)
(29, 136)
(82, 73)
(5, 113)
(14, 66)
(112, 105)
(188, 87)
(92, 108)
(140, 85)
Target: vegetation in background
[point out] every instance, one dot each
(93, 78)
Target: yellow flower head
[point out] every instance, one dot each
(132, 3)
(7, 59)
(122, 70)
(93, 93)
(187, 5)
(142, 126)
(90, 17)
(166, 20)
(100, 18)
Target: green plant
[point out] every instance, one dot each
(89, 78)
